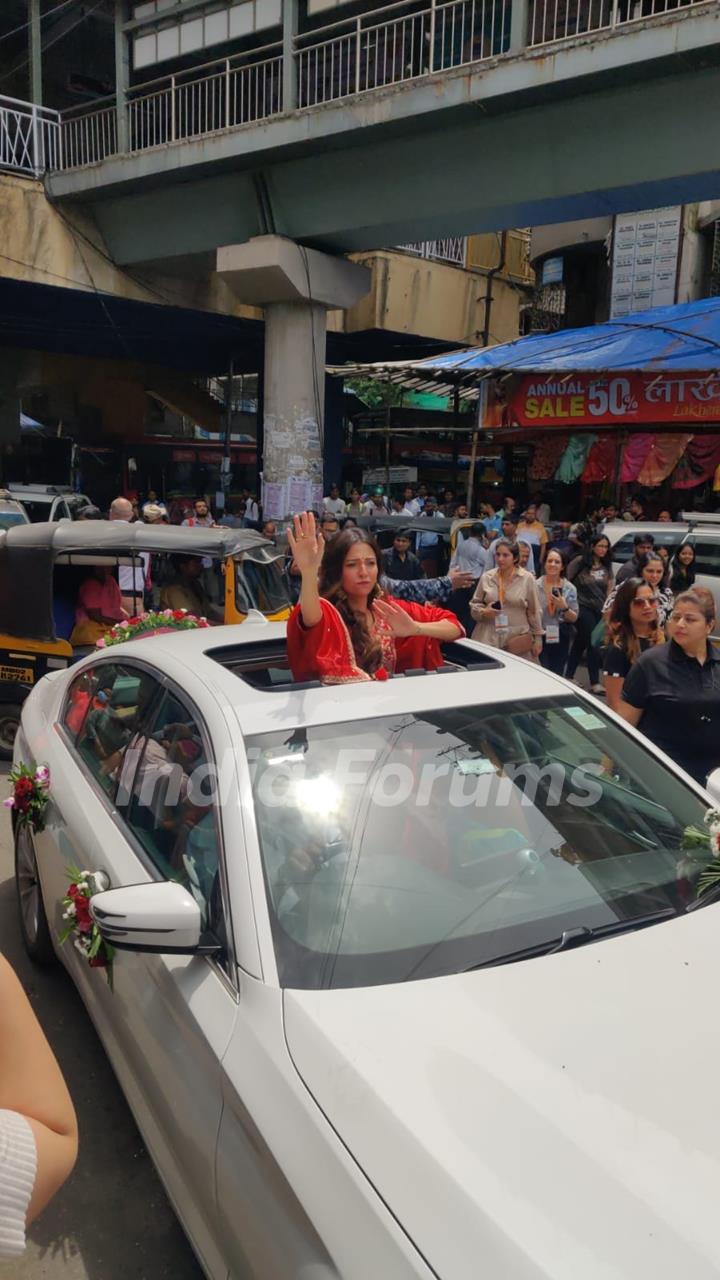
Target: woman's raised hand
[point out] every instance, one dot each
(306, 545)
(400, 622)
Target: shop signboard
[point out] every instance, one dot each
(620, 400)
(645, 260)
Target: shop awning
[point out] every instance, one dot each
(683, 338)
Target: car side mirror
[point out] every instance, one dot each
(160, 917)
(712, 786)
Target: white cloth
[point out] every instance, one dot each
(132, 581)
(334, 506)
(413, 507)
(252, 511)
(18, 1169)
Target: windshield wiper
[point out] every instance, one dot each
(577, 937)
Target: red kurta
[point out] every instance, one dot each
(324, 652)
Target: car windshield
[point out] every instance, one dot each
(261, 586)
(37, 509)
(415, 845)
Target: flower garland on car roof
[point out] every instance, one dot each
(155, 622)
(30, 795)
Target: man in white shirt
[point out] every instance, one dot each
(131, 579)
(412, 506)
(333, 504)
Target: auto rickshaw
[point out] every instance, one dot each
(41, 566)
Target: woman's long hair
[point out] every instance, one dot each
(620, 627)
(368, 651)
(682, 577)
(589, 553)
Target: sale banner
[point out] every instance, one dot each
(610, 400)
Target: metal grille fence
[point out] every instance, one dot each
(453, 249)
(29, 137)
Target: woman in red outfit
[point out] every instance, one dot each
(344, 627)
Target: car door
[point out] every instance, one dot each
(103, 712)
(176, 1013)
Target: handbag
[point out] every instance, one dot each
(519, 645)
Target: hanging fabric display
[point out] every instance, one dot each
(546, 458)
(601, 460)
(572, 463)
(700, 460)
(634, 454)
(663, 457)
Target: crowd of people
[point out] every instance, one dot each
(550, 597)
(644, 635)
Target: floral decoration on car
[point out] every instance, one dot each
(30, 795)
(155, 622)
(87, 938)
(702, 844)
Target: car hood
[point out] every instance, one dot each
(556, 1117)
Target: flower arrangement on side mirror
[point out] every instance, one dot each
(87, 938)
(155, 622)
(30, 797)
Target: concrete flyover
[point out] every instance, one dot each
(600, 123)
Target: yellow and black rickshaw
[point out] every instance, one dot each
(42, 566)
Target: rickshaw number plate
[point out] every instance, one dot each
(18, 674)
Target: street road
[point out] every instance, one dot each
(112, 1219)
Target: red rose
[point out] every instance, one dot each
(179, 614)
(381, 674)
(83, 926)
(98, 961)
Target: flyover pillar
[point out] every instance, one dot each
(296, 287)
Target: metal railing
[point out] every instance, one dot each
(393, 44)
(554, 20)
(29, 137)
(360, 54)
(192, 105)
(88, 135)
(453, 250)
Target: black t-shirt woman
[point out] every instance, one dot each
(632, 628)
(672, 694)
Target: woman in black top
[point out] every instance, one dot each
(591, 575)
(682, 569)
(672, 693)
(632, 627)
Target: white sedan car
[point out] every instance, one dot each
(408, 979)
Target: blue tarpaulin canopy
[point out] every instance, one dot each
(665, 339)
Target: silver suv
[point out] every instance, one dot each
(48, 501)
(703, 531)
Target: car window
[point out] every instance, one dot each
(707, 556)
(37, 509)
(103, 715)
(624, 549)
(168, 802)
(414, 845)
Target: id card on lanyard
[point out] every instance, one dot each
(501, 618)
(552, 633)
